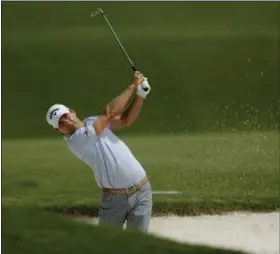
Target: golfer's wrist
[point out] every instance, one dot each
(139, 97)
(132, 86)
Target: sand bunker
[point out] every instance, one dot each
(252, 233)
(256, 233)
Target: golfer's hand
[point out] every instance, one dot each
(143, 89)
(138, 79)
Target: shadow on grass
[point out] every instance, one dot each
(176, 208)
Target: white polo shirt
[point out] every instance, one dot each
(111, 161)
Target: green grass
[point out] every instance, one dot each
(235, 166)
(29, 230)
(216, 172)
(211, 65)
(220, 59)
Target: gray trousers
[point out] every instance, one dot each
(135, 209)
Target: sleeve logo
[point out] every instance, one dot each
(87, 131)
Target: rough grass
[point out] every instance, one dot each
(30, 230)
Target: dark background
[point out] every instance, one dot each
(212, 66)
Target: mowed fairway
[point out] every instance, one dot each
(225, 167)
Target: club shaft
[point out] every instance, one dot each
(120, 44)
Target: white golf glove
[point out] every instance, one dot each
(143, 89)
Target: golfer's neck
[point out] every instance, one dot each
(77, 126)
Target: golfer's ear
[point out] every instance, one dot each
(72, 111)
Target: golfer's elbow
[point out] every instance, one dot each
(110, 113)
(127, 124)
(128, 120)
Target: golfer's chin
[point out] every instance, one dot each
(72, 128)
(67, 131)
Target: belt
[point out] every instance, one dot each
(130, 190)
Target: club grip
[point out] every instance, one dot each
(144, 88)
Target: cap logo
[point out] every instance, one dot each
(53, 113)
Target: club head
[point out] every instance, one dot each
(98, 10)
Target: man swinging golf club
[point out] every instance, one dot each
(126, 192)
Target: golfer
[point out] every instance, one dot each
(126, 192)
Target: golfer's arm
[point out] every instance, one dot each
(113, 109)
(129, 116)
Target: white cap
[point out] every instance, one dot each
(54, 113)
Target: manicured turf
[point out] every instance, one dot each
(216, 172)
(235, 166)
(212, 66)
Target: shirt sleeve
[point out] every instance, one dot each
(84, 134)
(94, 118)
(109, 126)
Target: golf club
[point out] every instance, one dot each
(99, 10)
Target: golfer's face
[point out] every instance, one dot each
(66, 123)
